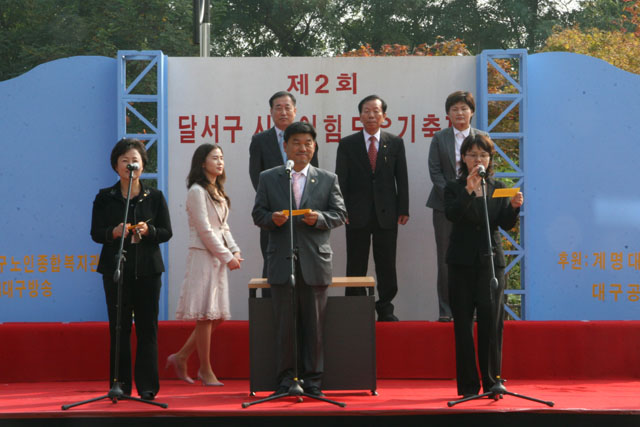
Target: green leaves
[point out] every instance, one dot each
(36, 31)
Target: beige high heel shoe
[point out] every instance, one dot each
(180, 373)
(214, 384)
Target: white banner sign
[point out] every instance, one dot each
(225, 101)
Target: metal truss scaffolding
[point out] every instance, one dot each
(142, 114)
(502, 98)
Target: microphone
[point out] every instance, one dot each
(133, 166)
(289, 166)
(481, 171)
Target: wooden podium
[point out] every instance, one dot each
(349, 339)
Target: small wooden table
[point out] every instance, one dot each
(342, 282)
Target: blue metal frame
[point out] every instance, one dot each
(484, 61)
(157, 62)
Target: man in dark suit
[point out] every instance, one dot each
(316, 190)
(267, 150)
(444, 163)
(372, 170)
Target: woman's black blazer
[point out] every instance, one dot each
(468, 240)
(108, 212)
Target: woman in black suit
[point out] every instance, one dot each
(469, 268)
(147, 225)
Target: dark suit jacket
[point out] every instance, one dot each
(322, 194)
(264, 153)
(108, 212)
(442, 164)
(468, 241)
(387, 188)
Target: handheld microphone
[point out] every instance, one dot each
(133, 166)
(289, 166)
(481, 171)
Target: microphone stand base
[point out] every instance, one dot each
(115, 394)
(294, 391)
(497, 392)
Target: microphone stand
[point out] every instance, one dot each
(295, 389)
(498, 390)
(116, 393)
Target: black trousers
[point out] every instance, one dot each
(384, 255)
(311, 304)
(470, 291)
(264, 243)
(140, 297)
(442, 230)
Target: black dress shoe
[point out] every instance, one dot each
(444, 319)
(388, 318)
(314, 391)
(147, 395)
(281, 390)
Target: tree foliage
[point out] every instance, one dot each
(490, 24)
(525, 23)
(440, 48)
(617, 41)
(630, 18)
(37, 31)
(277, 27)
(607, 15)
(615, 47)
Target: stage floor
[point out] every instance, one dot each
(395, 397)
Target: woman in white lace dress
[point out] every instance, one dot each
(205, 291)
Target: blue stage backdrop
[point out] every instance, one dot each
(582, 204)
(57, 126)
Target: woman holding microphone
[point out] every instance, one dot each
(146, 226)
(469, 264)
